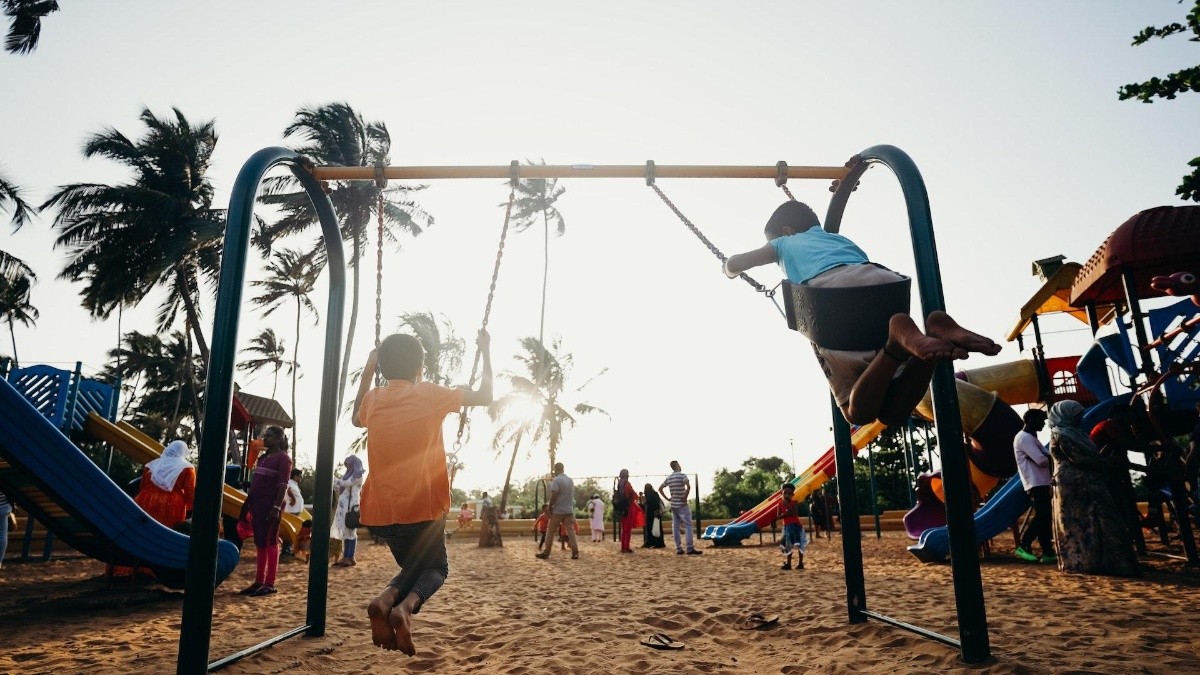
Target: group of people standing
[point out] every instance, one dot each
(646, 510)
(1084, 515)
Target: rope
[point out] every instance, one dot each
(487, 311)
(379, 272)
(768, 292)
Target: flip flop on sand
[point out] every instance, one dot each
(759, 622)
(662, 641)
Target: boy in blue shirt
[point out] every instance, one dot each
(884, 384)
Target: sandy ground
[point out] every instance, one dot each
(502, 611)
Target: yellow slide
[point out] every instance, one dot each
(142, 449)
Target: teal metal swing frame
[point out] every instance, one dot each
(196, 628)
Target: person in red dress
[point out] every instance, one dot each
(166, 492)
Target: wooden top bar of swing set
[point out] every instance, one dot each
(577, 171)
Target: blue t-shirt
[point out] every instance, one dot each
(807, 254)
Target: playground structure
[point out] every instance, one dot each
(1108, 290)
(44, 472)
(142, 449)
(195, 634)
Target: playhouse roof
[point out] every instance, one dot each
(1054, 296)
(1157, 241)
(264, 410)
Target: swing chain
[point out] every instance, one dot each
(487, 310)
(769, 292)
(781, 176)
(380, 183)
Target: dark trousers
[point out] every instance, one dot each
(420, 550)
(1039, 527)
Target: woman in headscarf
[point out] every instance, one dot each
(166, 491)
(652, 533)
(596, 517)
(629, 513)
(168, 486)
(348, 488)
(1091, 534)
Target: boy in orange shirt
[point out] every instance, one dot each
(406, 496)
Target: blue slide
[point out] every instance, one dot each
(996, 516)
(43, 472)
(1003, 509)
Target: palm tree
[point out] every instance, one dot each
(160, 376)
(516, 413)
(537, 198)
(291, 274)
(549, 370)
(269, 351)
(335, 134)
(11, 266)
(157, 230)
(443, 349)
(15, 306)
(26, 25)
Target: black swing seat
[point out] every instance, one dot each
(849, 319)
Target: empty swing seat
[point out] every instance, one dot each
(849, 318)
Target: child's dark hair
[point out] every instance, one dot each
(400, 357)
(791, 214)
(306, 523)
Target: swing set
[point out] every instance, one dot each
(196, 626)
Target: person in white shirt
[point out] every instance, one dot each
(293, 500)
(293, 503)
(1033, 465)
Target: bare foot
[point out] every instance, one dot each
(399, 620)
(382, 633)
(939, 324)
(903, 333)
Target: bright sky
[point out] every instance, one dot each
(1009, 110)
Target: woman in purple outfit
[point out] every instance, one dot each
(264, 502)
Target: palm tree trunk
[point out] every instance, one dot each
(508, 476)
(13, 334)
(295, 357)
(193, 318)
(353, 323)
(275, 384)
(545, 280)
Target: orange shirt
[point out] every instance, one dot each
(407, 482)
(253, 449)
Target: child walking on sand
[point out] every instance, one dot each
(794, 539)
(406, 496)
(884, 384)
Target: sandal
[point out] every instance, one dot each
(759, 622)
(662, 641)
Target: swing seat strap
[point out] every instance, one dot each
(848, 319)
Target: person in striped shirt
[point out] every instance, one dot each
(681, 515)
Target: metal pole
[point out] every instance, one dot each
(874, 499)
(1093, 318)
(1136, 317)
(696, 515)
(856, 585)
(196, 627)
(964, 560)
(505, 171)
(318, 575)
(909, 469)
